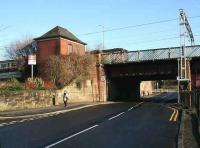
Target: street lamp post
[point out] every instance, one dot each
(102, 34)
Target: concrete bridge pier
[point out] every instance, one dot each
(123, 89)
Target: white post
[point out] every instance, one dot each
(102, 35)
(32, 71)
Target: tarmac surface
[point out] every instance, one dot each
(113, 125)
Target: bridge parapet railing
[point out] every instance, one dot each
(149, 55)
(193, 51)
(110, 58)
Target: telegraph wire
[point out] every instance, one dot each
(127, 27)
(162, 39)
(135, 26)
(4, 28)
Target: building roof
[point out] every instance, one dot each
(60, 32)
(7, 61)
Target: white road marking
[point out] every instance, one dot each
(31, 119)
(23, 120)
(3, 124)
(65, 139)
(135, 106)
(59, 112)
(138, 104)
(54, 114)
(116, 116)
(12, 122)
(130, 109)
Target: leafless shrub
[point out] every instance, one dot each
(19, 51)
(63, 70)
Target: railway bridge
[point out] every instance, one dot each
(120, 71)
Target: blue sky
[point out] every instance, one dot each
(35, 17)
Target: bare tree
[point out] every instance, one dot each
(19, 51)
(63, 70)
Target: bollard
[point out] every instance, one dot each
(54, 100)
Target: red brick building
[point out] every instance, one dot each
(57, 41)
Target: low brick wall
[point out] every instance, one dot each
(25, 99)
(10, 100)
(85, 93)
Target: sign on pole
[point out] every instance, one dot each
(32, 59)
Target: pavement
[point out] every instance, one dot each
(188, 134)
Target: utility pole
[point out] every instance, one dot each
(102, 35)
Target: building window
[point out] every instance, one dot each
(13, 65)
(69, 48)
(4, 66)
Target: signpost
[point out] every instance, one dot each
(32, 61)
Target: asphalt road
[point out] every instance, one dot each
(150, 124)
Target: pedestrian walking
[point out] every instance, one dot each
(65, 98)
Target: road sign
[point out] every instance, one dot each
(32, 59)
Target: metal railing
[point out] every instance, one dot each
(149, 55)
(196, 101)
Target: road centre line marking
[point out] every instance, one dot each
(130, 109)
(116, 116)
(65, 139)
(139, 104)
(135, 106)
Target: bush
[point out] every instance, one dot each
(38, 83)
(48, 85)
(12, 85)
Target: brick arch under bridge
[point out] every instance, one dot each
(123, 80)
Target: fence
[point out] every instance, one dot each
(196, 101)
(191, 99)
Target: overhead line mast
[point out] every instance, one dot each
(183, 64)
